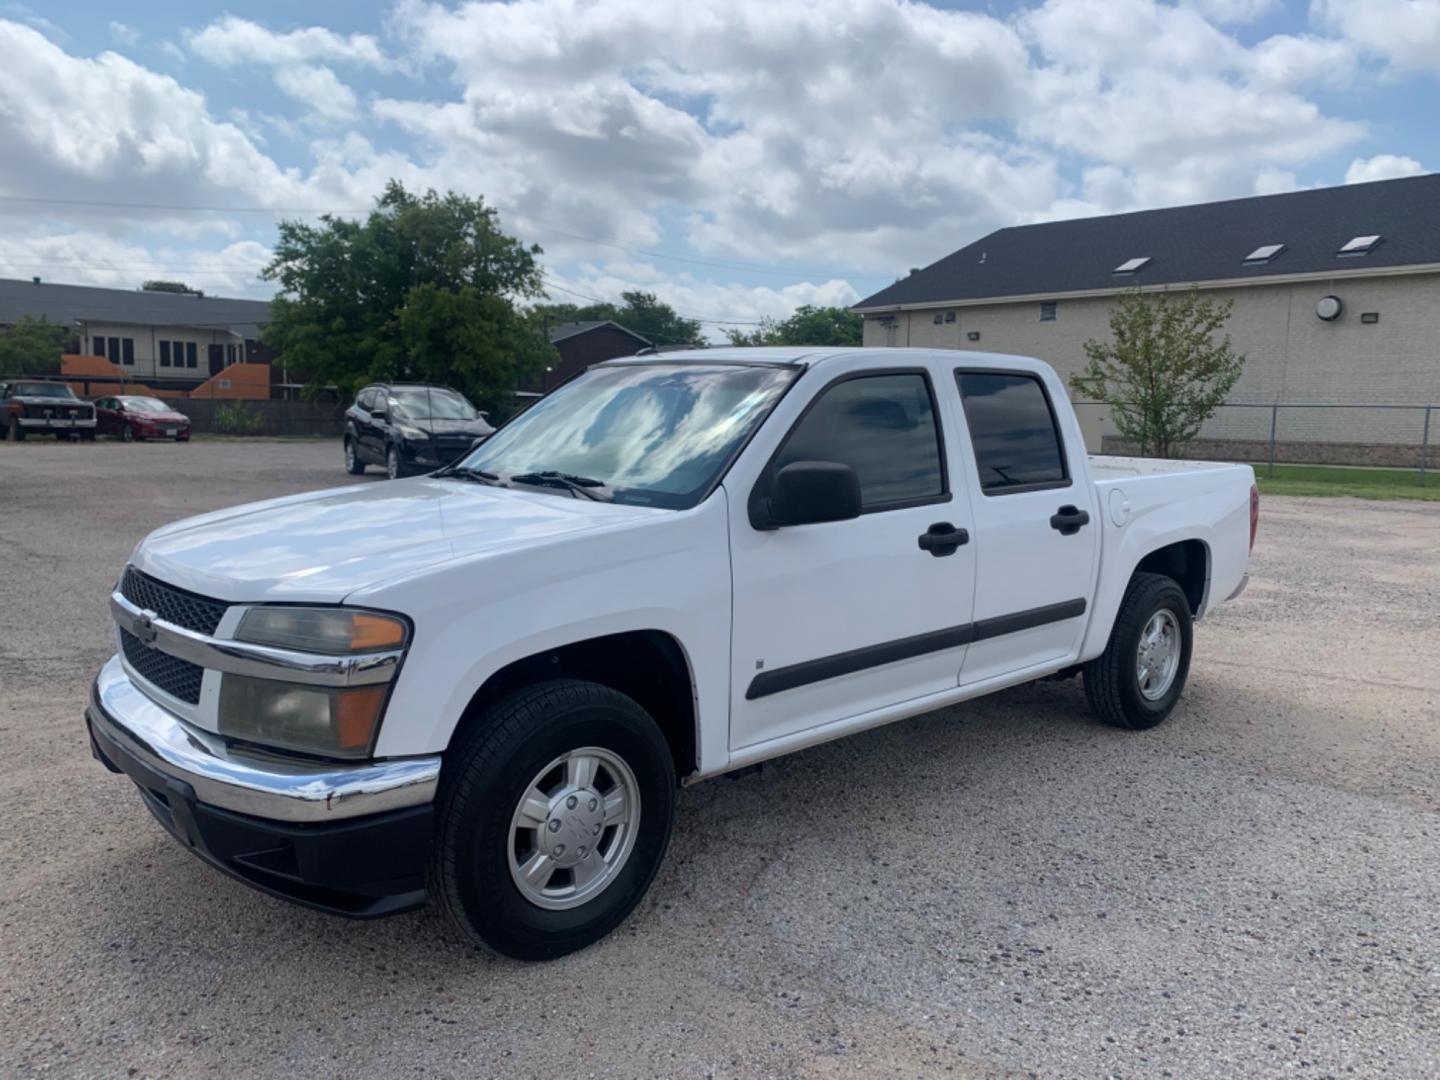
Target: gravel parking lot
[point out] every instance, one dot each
(1001, 888)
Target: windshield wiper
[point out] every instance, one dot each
(467, 473)
(577, 485)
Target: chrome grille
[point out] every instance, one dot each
(198, 613)
(178, 678)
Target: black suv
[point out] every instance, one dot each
(410, 428)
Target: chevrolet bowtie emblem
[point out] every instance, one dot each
(143, 627)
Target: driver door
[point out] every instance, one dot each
(835, 619)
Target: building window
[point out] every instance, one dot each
(113, 344)
(1047, 310)
(97, 346)
(190, 349)
(164, 354)
(127, 351)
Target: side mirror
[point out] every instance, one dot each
(379, 414)
(809, 492)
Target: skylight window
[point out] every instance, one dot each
(1263, 254)
(1129, 266)
(1361, 245)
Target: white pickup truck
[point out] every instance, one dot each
(485, 685)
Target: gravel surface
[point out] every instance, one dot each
(1003, 888)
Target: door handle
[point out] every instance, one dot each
(943, 539)
(1069, 519)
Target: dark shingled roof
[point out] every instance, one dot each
(70, 304)
(570, 329)
(1188, 244)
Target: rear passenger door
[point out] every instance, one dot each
(1036, 530)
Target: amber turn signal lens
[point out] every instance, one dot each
(357, 712)
(369, 632)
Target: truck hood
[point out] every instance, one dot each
(322, 546)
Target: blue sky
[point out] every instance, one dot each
(737, 157)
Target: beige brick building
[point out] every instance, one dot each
(1043, 290)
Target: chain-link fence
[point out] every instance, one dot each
(1305, 433)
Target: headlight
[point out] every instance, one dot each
(408, 432)
(338, 721)
(322, 630)
(311, 719)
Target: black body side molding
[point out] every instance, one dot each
(889, 652)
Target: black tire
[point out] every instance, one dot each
(16, 431)
(1112, 682)
(87, 436)
(353, 465)
(486, 774)
(394, 467)
(127, 433)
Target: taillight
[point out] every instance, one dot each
(1254, 514)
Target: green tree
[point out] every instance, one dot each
(808, 326)
(425, 288)
(170, 286)
(641, 312)
(31, 347)
(1164, 374)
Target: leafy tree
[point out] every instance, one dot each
(31, 346)
(808, 326)
(425, 288)
(641, 312)
(170, 286)
(1163, 375)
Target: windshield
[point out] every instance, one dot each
(145, 404)
(42, 389)
(431, 405)
(651, 434)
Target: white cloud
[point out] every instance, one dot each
(1406, 33)
(231, 41)
(1382, 167)
(319, 88)
(84, 257)
(170, 49)
(1233, 11)
(125, 35)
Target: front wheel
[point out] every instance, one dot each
(392, 463)
(127, 433)
(1137, 680)
(16, 431)
(553, 817)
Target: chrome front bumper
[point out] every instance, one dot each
(64, 423)
(264, 786)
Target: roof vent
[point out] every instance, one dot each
(1263, 254)
(1129, 266)
(1361, 245)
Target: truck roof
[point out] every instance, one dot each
(809, 355)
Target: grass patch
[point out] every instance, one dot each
(1357, 483)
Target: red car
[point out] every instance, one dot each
(131, 418)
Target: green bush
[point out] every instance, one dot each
(236, 418)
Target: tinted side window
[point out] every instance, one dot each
(883, 427)
(1013, 430)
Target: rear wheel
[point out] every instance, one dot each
(553, 817)
(353, 465)
(1136, 682)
